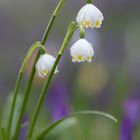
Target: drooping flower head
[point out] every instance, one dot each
(45, 64)
(82, 51)
(90, 16)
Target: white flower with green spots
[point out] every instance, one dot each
(90, 16)
(82, 51)
(45, 64)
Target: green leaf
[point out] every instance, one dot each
(55, 124)
(2, 132)
(65, 125)
(6, 112)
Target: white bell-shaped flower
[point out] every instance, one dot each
(45, 64)
(82, 51)
(90, 16)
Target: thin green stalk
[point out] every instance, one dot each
(45, 36)
(30, 82)
(29, 85)
(2, 132)
(47, 130)
(89, 1)
(67, 38)
(81, 31)
(31, 50)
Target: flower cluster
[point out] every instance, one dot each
(81, 51)
(88, 16)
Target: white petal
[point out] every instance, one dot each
(89, 15)
(81, 50)
(45, 63)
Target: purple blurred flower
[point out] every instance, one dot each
(131, 110)
(126, 130)
(24, 129)
(57, 101)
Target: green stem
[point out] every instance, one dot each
(29, 85)
(89, 1)
(2, 132)
(81, 31)
(45, 36)
(31, 50)
(67, 38)
(47, 130)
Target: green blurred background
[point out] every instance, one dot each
(105, 84)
